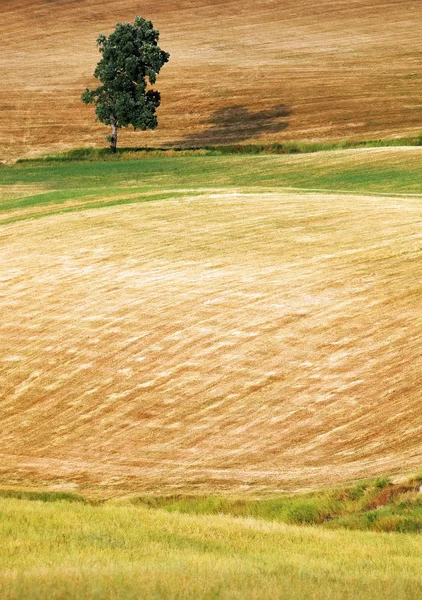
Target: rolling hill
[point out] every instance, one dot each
(203, 324)
(297, 69)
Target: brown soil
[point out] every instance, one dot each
(222, 342)
(296, 69)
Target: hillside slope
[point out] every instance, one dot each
(296, 69)
(228, 339)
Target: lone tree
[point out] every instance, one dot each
(130, 55)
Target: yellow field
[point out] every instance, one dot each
(296, 69)
(73, 551)
(228, 341)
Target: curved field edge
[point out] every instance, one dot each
(217, 238)
(34, 190)
(288, 147)
(74, 550)
(372, 505)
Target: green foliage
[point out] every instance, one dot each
(305, 513)
(84, 178)
(131, 59)
(42, 496)
(382, 482)
(358, 491)
(369, 505)
(232, 149)
(365, 506)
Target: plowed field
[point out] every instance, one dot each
(227, 340)
(267, 72)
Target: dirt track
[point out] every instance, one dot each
(296, 69)
(229, 342)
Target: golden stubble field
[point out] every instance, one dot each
(270, 71)
(228, 342)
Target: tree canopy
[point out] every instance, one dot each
(131, 60)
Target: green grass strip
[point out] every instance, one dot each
(288, 147)
(375, 505)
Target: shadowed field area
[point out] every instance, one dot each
(296, 69)
(216, 340)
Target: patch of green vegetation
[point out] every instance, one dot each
(52, 187)
(43, 496)
(335, 172)
(288, 147)
(375, 505)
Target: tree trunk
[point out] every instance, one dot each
(113, 139)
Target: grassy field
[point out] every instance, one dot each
(184, 338)
(369, 505)
(291, 70)
(211, 324)
(72, 550)
(210, 359)
(35, 188)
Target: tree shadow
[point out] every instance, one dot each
(234, 124)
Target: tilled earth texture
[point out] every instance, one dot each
(222, 341)
(239, 72)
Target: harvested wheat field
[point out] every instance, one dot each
(217, 341)
(296, 69)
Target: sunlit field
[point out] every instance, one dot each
(70, 550)
(210, 341)
(187, 342)
(211, 324)
(290, 70)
